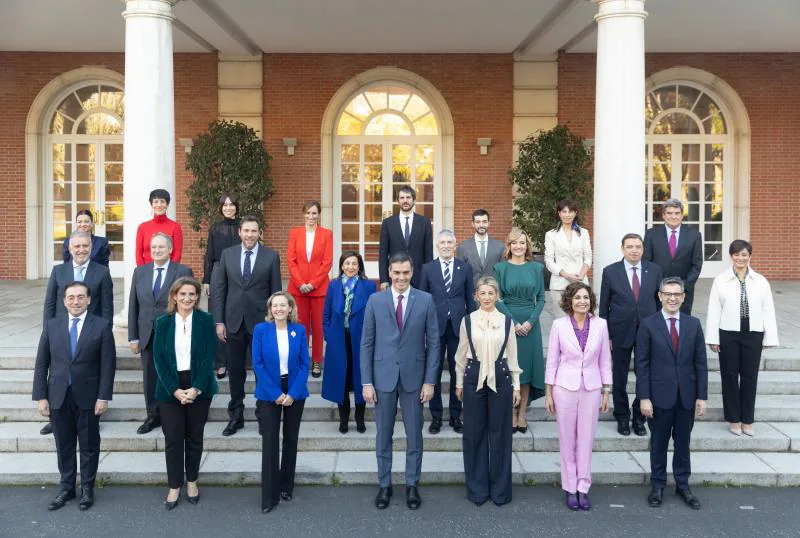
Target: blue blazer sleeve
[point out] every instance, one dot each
(102, 252)
(299, 390)
(265, 383)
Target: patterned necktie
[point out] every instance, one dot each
(398, 313)
(447, 278)
(483, 252)
(247, 273)
(73, 336)
(157, 284)
(673, 332)
(407, 231)
(79, 273)
(635, 285)
(673, 244)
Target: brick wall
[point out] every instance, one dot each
(767, 84)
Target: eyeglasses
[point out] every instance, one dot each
(669, 295)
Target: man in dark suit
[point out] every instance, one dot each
(628, 294)
(80, 268)
(399, 361)
(76, 351)
(672, 385)
(481, 252)
(449, 281)
(406, 232)
(676, 249)
(248, 274)
(148, 300)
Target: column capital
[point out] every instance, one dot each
(151, 9)
(607, 9)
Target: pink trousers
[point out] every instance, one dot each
(576, 415)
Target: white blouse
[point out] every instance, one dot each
(488, 334)
(283, 349)
(309, 243)
(183, 341)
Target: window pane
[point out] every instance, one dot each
(377, 99)
(687, 96)
(114, 152)
(714, 173)
(692, 211)
(416, 107)
(424, 153)
(690, 152)
(651, 108)
(85, 192)
(662, 152)
(712, 233)
(713, 192)
(373, 193)
(116, 254)
(350, 153)
(715, 152)
(348, 125)
(661, 192)
(62, 152)
(373, 153)
(712, 252)
(70, 107)
(401, 173)
(58, 247)
(372, 232)
(713, 211)
(424, 173)
(371, 253)
(350, 232)
(350, 192)
(114, 192)
(715, 125)
(84, 152)
(398, 97)
(387, 124)
(113, 173)
(676, 123)
(85, 171)
(112, 99)
(114, 213)
(100, 124)
(427, 210)
(61, 124)
(690, 192)
(114, 232)
(424, 193)
(426, 125)
(373, 173)
(62, 192)
(666, 97)
(359, 107)
(401, 153)
(706, 107)
(690, 172)
(349, 212)
(349, 173)
(373, 212)
(62, 212)
(89, 97)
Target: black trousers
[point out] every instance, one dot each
(72, 425)
(677, 423)
(277, 475)
(149, 379)
(621, 364)
(448, 344)
(220, 361)
(344, 409)
(183, 427)
(739, 360)
(487, 435)
(238, 349)
(688, 301)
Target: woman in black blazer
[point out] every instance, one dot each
(100, 249)
(184, 348)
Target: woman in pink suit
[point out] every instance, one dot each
(578, 365)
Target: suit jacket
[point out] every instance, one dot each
(661, 374)
(143, 309)
(420, 246)
(561, 254)
(389, 356)
(91, 371)
(468, 251)
(617, 305)
(301, 270)
(455, 304)
(100, 285)
(688, 260)
(202, 355)
(100, 250)
(267, 366)
(235, 302)
(567, 363)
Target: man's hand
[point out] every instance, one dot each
(646, 407)
(714, 347)
(368, 392)
(700, 408)
(426, 393)
(384, 285)
(460, 394)
(100, 407)
(44, 408)
(134, 347)
(221, 334)
(207, 289)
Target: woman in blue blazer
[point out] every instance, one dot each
(342, 321)
(100, 249)
(281, 365)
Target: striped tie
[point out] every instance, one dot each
(447, 279)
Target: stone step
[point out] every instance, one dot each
(334, 468)
(325, 436)
(125, 407)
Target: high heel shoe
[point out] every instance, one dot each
(522, 429)
(169, 505)
(193, 500)
(223, 374)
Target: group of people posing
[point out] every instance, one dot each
(476, 307)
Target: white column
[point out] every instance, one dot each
(149, 140)
(619, 145)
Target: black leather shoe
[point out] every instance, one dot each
(169, 505)
(639, 429)
(343, 428)
(222, 375)
(623, 428)
(233, 427)
(87, 499)
(382, 498)
(267, 509)
(656, 497)
(193, 500)
(148, 425)
(360, 426)
(47, 429)
(412, 498)
(61, 499)
(457, 425)
(688, 497)
(286, 496)
(436, 426)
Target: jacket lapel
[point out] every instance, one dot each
(257, 266)
(662, 328)
(390, 306)
(622, 273)
(166, 283)
(360, 296)
(571, 337)
(87, 326)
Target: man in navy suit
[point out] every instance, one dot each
(450, 283)
(627, 296)
(406, 232)
(677, 249)
(672, 385)
(72, 383)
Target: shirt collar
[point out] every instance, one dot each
(254, 250)
(179, 319)
(478, 239)
(669, 230)
(409, 214)
(82, 317)
(733, 276)
(84, 265)
(405, 294)
(156, 266)
(677, 316)
(628, 266)
(442, 262)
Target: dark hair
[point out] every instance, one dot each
(159, 193)
(408, 189)
(250, 218)
(74, 283)
(234, 200)
(480, 213)
(85, 212)
(571, 291)
(312, 203)
(400, 257)
(349, 254)
(739, 245)
(567, 203)
(172, 302)
(631, 236)
(670, 281)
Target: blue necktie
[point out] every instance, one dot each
(78, 273)
(407, 231)
(247, 273)
(73, 336)
(447, 279)
(157, 284)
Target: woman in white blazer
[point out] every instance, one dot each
(741, 321)
(567, 250)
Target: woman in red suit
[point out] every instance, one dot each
(310, 256)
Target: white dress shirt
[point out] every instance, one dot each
(396, 294)
(254, 251)
(478, 241)
(403, 216)
(283, 349)
(677, 317)
(82, 318)
(629, 271)
(677, 234)
(183, 341)
(450, 263)
(156, 267)
(85, 266)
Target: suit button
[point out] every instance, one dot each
(397, 363)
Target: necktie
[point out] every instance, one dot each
(73, 336)
(79, 273)
(447, 278)
(483, 252)
(247, 273)
(157, 284)
(407, 231)
(673, 332)
(398, 313)
(673, 244)
(635, 285)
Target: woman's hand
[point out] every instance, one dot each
(207, 289)
(520, 330)
(550, 405)
(306, 288)
(460, 394)
(515, 398)
(280, 399)
(287, 400)
(182, 396)
(714, 347)
(604, 403)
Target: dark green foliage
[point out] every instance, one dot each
(552, 165)
(227, 158)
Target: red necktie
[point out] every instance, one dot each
(673, 244)
(673, 332)
(398, 313)
(635, 285)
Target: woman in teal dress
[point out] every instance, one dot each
(522, 298)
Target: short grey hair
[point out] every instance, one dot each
(670, 280)
(672, 202)
(446, 233)
(165, 236)
(81, 235)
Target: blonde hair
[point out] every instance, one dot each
(487, 281)
(513, 235)
(292, 317)
(172, 302)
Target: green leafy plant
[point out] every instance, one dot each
(552, 165)
(228, 158)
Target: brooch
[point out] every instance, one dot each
(293, 334)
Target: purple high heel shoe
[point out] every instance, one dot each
(583, 501)
(571, 500)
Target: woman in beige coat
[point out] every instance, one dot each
(567, 250)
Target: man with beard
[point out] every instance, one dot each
(481, 252)
(407, 233)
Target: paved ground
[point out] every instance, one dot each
(124, 512)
